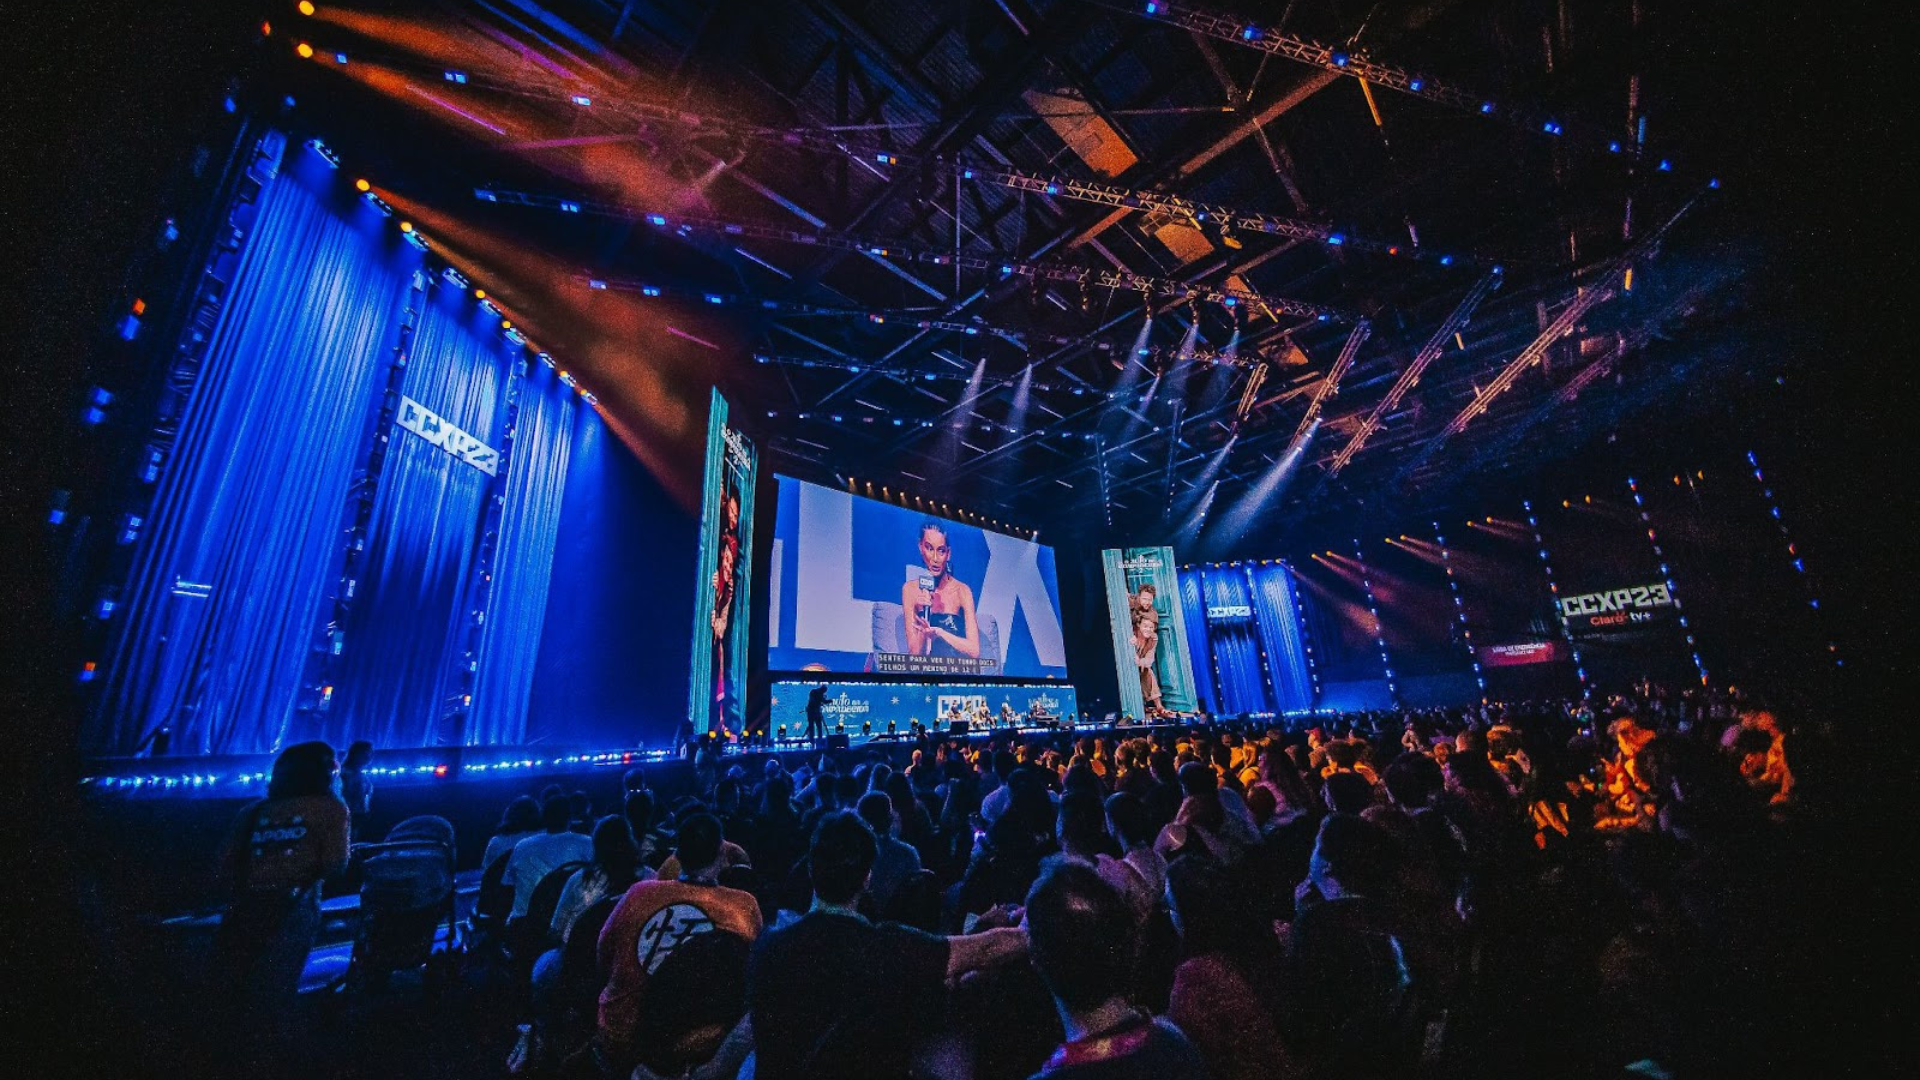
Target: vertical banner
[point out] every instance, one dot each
(1149, 631)
(723, 583)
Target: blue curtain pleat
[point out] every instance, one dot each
(545, 429)
(251, 500)
(1279, 624)
(407, 635)
(1236, 654)
(1199, 646)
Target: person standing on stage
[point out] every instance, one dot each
(817, 712)
(940, 616)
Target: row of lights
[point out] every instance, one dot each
(1673, 591)
(1546, 566)
(886, 494)
(1793, 551)
(1460, 611)
(1379, 630)
(437, 770)
(455, 278)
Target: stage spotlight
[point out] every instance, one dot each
(479, 294)
(362, 185)
(305, 50)
(306, 7)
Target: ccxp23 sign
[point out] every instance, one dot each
(1617, 609)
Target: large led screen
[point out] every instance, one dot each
(723, 583)
(863, 585)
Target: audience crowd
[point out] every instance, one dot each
(1568, 889)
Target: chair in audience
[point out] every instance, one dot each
(406, 902)
(532, 933)
(916, 903)
(494, 903)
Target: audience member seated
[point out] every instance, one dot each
(655, 918)
(833, 995)
(537, 856)
(1081, 934)
(894, 862)
(521, 820)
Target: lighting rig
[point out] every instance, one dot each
(1002, 265)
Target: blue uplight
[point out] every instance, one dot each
(656, 219)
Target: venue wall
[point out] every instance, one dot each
(321, 558)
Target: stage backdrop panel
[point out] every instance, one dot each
(225, 601)
(1149, 629)
(859, 704)
(723, 581)
(852, 578)
(1248, 641)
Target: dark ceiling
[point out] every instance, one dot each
(917, 241)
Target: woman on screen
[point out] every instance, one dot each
(940, 618)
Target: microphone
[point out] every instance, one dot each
(927, 584)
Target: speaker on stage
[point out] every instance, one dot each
(958, 727)
(837, 741)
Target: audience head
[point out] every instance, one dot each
(639, 810)
(1350, 857)
(1198, 780)
(358, 755)
(614, 850)
(697, 844)
(1347, 792)
(1082, 823)
(635, 779)
(840, 857)
(876, 809)
(1127, 816)
(1412, 780)
(556, 814)
(522, 815)
(303, 769)
(1079, 933)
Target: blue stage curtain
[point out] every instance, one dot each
(1199, 647)
(543, 438)
(406, 639)
(1236, 653)
(1279, 623)
(252, 495)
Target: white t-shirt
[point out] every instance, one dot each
(500, 845)
(536, 857)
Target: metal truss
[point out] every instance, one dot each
(1004, 266)
(1331, 384)
(1602, 288)
(1347, 61)
(1450, 326)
